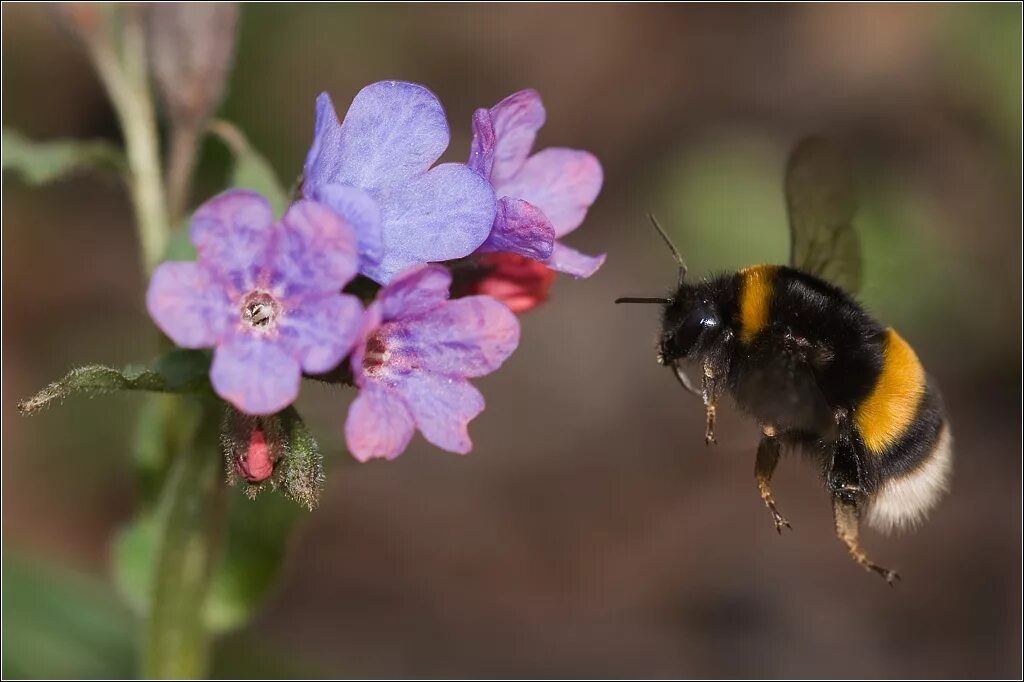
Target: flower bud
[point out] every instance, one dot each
(255, 464)
(251, 447)
(191, 50)
(520, 283)
(275, 450)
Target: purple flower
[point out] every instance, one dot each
(375, 170)
(418, 349)
(266, 295)
(541, 197)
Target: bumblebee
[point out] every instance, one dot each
(795, 350)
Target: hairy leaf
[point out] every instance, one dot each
(180, 371)
(42, 162)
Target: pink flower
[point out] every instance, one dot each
(418, 349)
(542, 197)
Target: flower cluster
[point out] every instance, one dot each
(274, 297)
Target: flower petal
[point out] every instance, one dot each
(255, 374)
(442, 408)
(572, 262)
(231, 232)
(414, 291)
(520, 227)
(378, 424)
(361, 211)
(189, 305)
(516, 120)
(323, 160)
(321, 331)
(561, 182)
(481, 152)
(393, 130)
(441, 215)
(467, 337)
(313, 251)
(520, 283)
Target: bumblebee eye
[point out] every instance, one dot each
(683, 340)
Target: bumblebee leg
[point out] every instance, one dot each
(709, 391)
(709, 424)
(847, 518)
(764, 467)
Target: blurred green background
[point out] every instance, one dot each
(590, 533)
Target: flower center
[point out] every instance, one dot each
(259, 310)
(375, 355)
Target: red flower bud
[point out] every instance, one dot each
(256, 463)
(519, 282)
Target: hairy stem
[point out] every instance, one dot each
(123, 71)
(191, 516)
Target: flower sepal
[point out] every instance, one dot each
(275, 451)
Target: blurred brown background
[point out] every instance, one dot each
(590, 533)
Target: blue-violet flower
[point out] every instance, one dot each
(266, 295)
(375, 170)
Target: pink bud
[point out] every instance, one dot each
(255, 464)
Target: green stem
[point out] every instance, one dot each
(191, 515)
(126, 79)
(192, 505)
(181, 162)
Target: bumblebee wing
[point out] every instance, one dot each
(821, 198)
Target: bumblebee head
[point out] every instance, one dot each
(691, 320)
(690, 323)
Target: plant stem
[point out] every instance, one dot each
(126, 79)
(192, 505)
(191, 516)
(181, 162)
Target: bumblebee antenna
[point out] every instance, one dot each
(671, 247)
(643, 299)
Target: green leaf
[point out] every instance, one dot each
(251, 169)
(59, 624)
(134, 552)
(180, 371)
(42, 162)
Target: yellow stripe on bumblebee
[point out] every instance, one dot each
(755, 298)
(890, 408)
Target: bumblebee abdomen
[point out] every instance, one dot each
(884, 416)
(907, 442)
